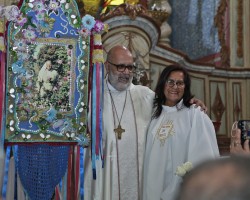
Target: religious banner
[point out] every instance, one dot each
(53, 72)
(47, 74)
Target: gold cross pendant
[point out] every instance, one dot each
(119, 130)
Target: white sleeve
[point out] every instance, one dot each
(202, 142)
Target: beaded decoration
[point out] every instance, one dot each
(54, 62)
(48, 50)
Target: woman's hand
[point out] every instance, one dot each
(235, 146)
(197, 103)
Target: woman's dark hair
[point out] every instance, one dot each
(160, 98)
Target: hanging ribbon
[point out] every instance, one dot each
(93, 122)
(5, 178)
(81, 173)
(69, 174)
(101, 111)
(97, 65)
(77, 170)
(96, 99)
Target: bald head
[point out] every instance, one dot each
(117, 52)
(119, 55)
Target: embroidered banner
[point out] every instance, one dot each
(46, 74)
(51, 55)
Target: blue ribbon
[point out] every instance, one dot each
(81, 173)
(93, 121)
(101, 111)
(5, 179)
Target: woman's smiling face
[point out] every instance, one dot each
(174, 88)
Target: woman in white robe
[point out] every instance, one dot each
(179, 136)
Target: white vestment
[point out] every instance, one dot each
(175, 138)
(123, 182)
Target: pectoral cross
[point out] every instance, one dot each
(119, 130)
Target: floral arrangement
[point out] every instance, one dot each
(90, 25)
(184, 168)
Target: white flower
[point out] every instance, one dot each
(180, 171)
(10, 12)
(20, 45)
(187, 166)
(39, 6)
(184, 168)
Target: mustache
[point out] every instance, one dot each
(124, 76)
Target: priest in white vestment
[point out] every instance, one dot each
(179, 136)
(129, 106)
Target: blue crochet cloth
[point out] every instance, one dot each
(41, 167)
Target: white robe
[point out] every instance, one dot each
(191, 139)
(106, 186)
(45, 76)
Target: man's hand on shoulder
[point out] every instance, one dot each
(197, 103)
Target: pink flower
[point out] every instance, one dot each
(98, 26)
(84, 32)
(20, 20)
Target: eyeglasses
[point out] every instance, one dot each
(122, 67)
(172, 83)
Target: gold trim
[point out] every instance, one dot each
(165, 131)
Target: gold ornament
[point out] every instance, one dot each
(92, 7)
(132, 2)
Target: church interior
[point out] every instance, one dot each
(211, 38)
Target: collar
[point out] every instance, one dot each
(177, 107)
